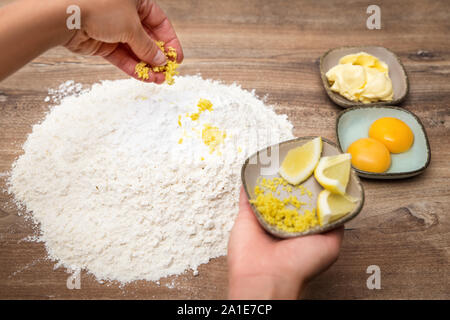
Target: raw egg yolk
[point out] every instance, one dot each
(370, 155)
(393, 133)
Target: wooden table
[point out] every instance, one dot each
(273, 47)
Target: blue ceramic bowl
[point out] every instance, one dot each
(353, 124)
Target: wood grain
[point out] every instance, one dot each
(272, 47)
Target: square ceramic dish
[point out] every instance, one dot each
(353, 124)
(397, 74)
(253, 168)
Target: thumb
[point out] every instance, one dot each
(146, 49)
(246, 219)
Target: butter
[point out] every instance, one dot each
(361, 77)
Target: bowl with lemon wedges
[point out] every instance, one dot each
(302, 186)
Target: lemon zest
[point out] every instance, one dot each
(276, 213)
(169, 69)
(212, 137)
(142, 70)
(283, 213)
(202, 105)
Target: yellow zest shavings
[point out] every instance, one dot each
(276, 213)
(293, 200)
(194, 116)
(259, 191)
(283, 213)
(142, 69)
(212, 137)
(203, 105)
(272, 184)
(304, 191)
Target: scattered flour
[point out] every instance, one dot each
(68, 88)
(115, 192)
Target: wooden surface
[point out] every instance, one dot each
(273, 47)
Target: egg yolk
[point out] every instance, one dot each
(393, 133)
(370, 155)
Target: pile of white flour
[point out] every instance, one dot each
(115, 192)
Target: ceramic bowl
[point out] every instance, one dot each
(353, 124)
(258, 165)
(397, 74)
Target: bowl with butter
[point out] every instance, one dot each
(361, 76)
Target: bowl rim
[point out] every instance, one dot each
(348, 103)
(387, 175)
(318, 229)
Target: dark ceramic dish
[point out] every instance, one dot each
(397, 74)
(251, 171)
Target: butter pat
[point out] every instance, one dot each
(361, 77)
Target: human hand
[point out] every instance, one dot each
(123, 32)
(263, 267)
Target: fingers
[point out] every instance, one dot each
(330, 243)
(156, 21)
(245, 210)
(326, 244)
(126, 61)
(246, 217)
(335, 238)
(314, 253)
(153, 25)
(246, 234)
(146, 49)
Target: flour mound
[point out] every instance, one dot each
(114, 190)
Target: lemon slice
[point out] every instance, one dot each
(331, 206)
(333, 172)
(300, 162)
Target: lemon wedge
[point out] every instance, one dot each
(331, 206)
(300, 162)
(333, 172)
